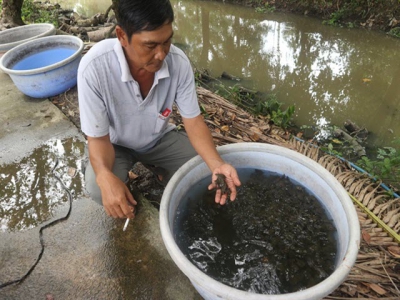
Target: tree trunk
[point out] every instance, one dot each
(114, 7)
(11, 13)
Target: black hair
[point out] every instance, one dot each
(134, 16)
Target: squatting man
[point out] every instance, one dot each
(126, 89)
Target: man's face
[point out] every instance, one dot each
(147, 49)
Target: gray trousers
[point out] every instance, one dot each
(165, 158)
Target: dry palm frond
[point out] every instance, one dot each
(390, 205)
(308, 149)
(376, 272)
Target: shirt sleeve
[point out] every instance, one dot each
(92, 108)
(186, 96)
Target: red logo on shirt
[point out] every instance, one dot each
(166, 112)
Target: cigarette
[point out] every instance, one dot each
(126, 224)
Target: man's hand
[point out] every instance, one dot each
(117, 199)
(231, 180)
(202, 141)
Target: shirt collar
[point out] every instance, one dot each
(126, 73)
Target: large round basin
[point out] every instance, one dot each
(44, 67)
(12, 37)
(282, 161)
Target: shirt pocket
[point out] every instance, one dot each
(161, 123)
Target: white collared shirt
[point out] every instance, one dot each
(110, 101)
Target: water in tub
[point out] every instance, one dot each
(275, 238)
(43, 58)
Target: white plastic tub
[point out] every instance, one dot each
(283, 161)
(52, 74)
(13, 37)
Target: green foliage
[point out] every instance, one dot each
(386, 166)
(395, 32)
(351, 25)
(264, 8)
(250, 101)
(236, 95)
(349, 13)
(204, 111)
(330, 150)
(335, 18)
(272, 108)
(338, 17)
(230, 93)
(31, 13)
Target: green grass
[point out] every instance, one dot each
(31, 13)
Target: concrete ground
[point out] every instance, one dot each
(86, 256)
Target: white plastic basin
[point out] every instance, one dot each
(49, 65)
(12, 37)
(283, 161)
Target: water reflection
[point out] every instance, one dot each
(31, 194)
(330, 74)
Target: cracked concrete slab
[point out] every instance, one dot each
(86, 256)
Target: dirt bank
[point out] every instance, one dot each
(369, 14)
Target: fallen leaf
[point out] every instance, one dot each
(336, 141)
(264, 127)
(376, 288)
(71, 172)
(71, 113)
(362, 288)
(254, 137)
(395, 251)
(255, 130)
(365, 80)
(350, 290)
(366, 237)
(225, 128)
(393, 22)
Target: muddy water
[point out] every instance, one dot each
(275, 238)
(330, 74)
(86, 256)
(30, 192)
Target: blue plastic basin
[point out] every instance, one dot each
(44, 67)
(13, 37)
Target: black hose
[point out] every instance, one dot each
(21, 279)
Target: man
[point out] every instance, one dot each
(126, 89)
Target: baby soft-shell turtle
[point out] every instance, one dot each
(221, 184)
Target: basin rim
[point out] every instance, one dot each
(48, 68)
(51, 30)
(222, 291)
